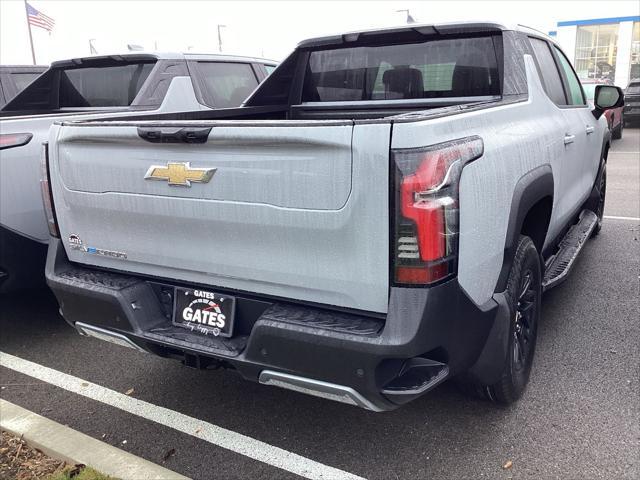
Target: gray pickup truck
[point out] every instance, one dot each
(90, 87)
(383, 213)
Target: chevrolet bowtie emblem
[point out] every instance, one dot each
(179, 174)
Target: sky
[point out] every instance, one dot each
(269, 29)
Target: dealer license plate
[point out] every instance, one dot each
(204, 312)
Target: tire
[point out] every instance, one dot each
(599, 211)
(616, 134)
(524, 293)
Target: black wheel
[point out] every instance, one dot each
(602, 189)
(524, 292)
(616, 134)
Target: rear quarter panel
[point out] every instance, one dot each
(517, 138)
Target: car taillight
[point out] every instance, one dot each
(425, 242)
(10, 140)
(45, 188)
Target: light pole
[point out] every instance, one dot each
(410, 19)
(220, 37)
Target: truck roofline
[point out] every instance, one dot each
(26, 67)
(447, 28)
(228, 58)
(423, 28)
(120, 57)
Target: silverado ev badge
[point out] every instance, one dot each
(75, 243)
(179, 174)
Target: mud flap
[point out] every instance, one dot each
(490, 363)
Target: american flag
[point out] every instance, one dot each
(39, 19)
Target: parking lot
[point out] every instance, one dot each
(580, 417)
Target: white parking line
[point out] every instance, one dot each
(630, 219)
(236, 442)
(614, 151)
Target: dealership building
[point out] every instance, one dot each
(602, 49)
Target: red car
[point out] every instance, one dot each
(614, 116)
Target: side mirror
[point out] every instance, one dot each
(607, 97)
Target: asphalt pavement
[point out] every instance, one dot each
(580, 417)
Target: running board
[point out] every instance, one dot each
(558, 267)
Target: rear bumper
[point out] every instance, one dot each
(377, 363)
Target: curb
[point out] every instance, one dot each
(75, 447)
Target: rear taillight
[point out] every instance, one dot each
(45, 188)
(10, 140)
(425, 242)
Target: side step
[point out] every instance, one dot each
(559, 266)
(417, 376)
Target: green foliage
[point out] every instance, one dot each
(76, 473)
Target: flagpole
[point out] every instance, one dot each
(33, 53)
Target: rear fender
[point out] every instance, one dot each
(530, 189)
(594, 196)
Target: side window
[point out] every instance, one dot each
(226, 84)
(577, 98)
(269, 68)
(548, 71)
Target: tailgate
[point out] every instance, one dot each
(291, 209)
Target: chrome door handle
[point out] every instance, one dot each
(590, 129)
(569, 139)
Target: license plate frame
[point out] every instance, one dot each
(210, 306)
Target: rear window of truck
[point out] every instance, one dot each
(443, 68)
(115, 85)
